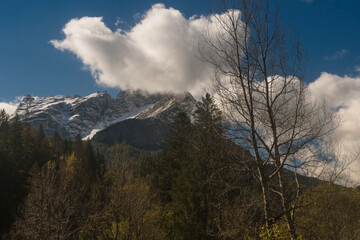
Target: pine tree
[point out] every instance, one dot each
(89, 162)
(43, 152)
(13, 173)
(78, 147)
(57, 144)
(193, 155)
(199, 165)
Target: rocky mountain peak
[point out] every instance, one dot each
(70, 115)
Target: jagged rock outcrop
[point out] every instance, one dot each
(150, 127)
(152, 114)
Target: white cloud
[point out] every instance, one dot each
(343, 95)
(157, 54)
(357, 68)
(10, 107)
(338, 55)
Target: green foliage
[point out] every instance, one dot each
(120, 152)
(194, 177)
(68, 194)
(58, 202)
(198, 188)
(23, 152)
(330, 212)
(130, 210)
(277, 231)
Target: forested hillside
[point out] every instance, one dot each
(201, 186)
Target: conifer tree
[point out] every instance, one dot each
(28, 147)
(78, 147)
(58, 145)
(43, 152)
(89, 162)
(193, 156)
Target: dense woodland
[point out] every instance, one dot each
(202, 186)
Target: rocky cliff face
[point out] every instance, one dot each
(90, 114)
(149, 128)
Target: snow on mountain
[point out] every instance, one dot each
(107, 121)
(168, 106)
(90, 114)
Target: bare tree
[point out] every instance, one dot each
(58, 204)
(128, 209)
(260, 85)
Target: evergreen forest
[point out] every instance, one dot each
(203, 185)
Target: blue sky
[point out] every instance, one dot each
(51, 47)
(328, 29)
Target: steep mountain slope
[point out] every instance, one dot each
(90, 114)
(168, 106)
(149, 134)
(149, 128)
(66, 115)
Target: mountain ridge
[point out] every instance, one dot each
(88, 115)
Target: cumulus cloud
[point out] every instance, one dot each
(158, 54)
(338, 55)
(10, 107)
(357, 68)
(342, 95)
